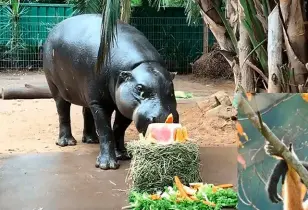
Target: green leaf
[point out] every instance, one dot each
(192, 11)
(253, 50)
(111, 9)
(266, 8)
(15, 6)
(255, 31)
(260, 51)
(182, 94)
(87, 6)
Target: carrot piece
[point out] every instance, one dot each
(179, 185)
(169, 119)
(214, 189)
(224, 185)
(209, 203)
(155, 197)
(194, 198)
(189, 191)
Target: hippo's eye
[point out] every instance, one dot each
(140, 90)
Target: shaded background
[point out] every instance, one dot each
(288, 119)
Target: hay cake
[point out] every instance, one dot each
(161, 155)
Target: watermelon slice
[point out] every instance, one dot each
(162, 133)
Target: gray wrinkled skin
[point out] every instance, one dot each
(136, 85)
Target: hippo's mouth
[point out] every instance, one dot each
(143, 129)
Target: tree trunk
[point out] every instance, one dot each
(295, 40)
(27, 92)
(274, 50)
(244, 46)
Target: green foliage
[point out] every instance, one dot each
(45, 1)
(192, 11)
(222, 198)
(87, 6)
(255, 31)
(12, 13)
(111, 10)
(136, 2)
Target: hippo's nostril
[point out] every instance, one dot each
(153, 119)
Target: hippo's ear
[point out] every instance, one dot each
(172, 74)
(124, 75)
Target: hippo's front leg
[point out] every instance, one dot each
(119, 127)
(102, 119)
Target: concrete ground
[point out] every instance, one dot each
(66, 180)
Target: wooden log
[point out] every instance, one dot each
(27, 92)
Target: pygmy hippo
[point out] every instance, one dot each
(135, 84)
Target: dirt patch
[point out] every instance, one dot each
(31, 126)
(207, 131)
(212, 65)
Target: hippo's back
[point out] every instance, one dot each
(71, 48)
(76, 41)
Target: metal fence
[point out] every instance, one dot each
(21, 42)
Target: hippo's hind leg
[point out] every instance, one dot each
(65, 133)
(89, 133)
(120, 125)
(63, 108)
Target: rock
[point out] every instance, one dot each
(215, 100)
(223, 98)
(208, 104)
(222, 111)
